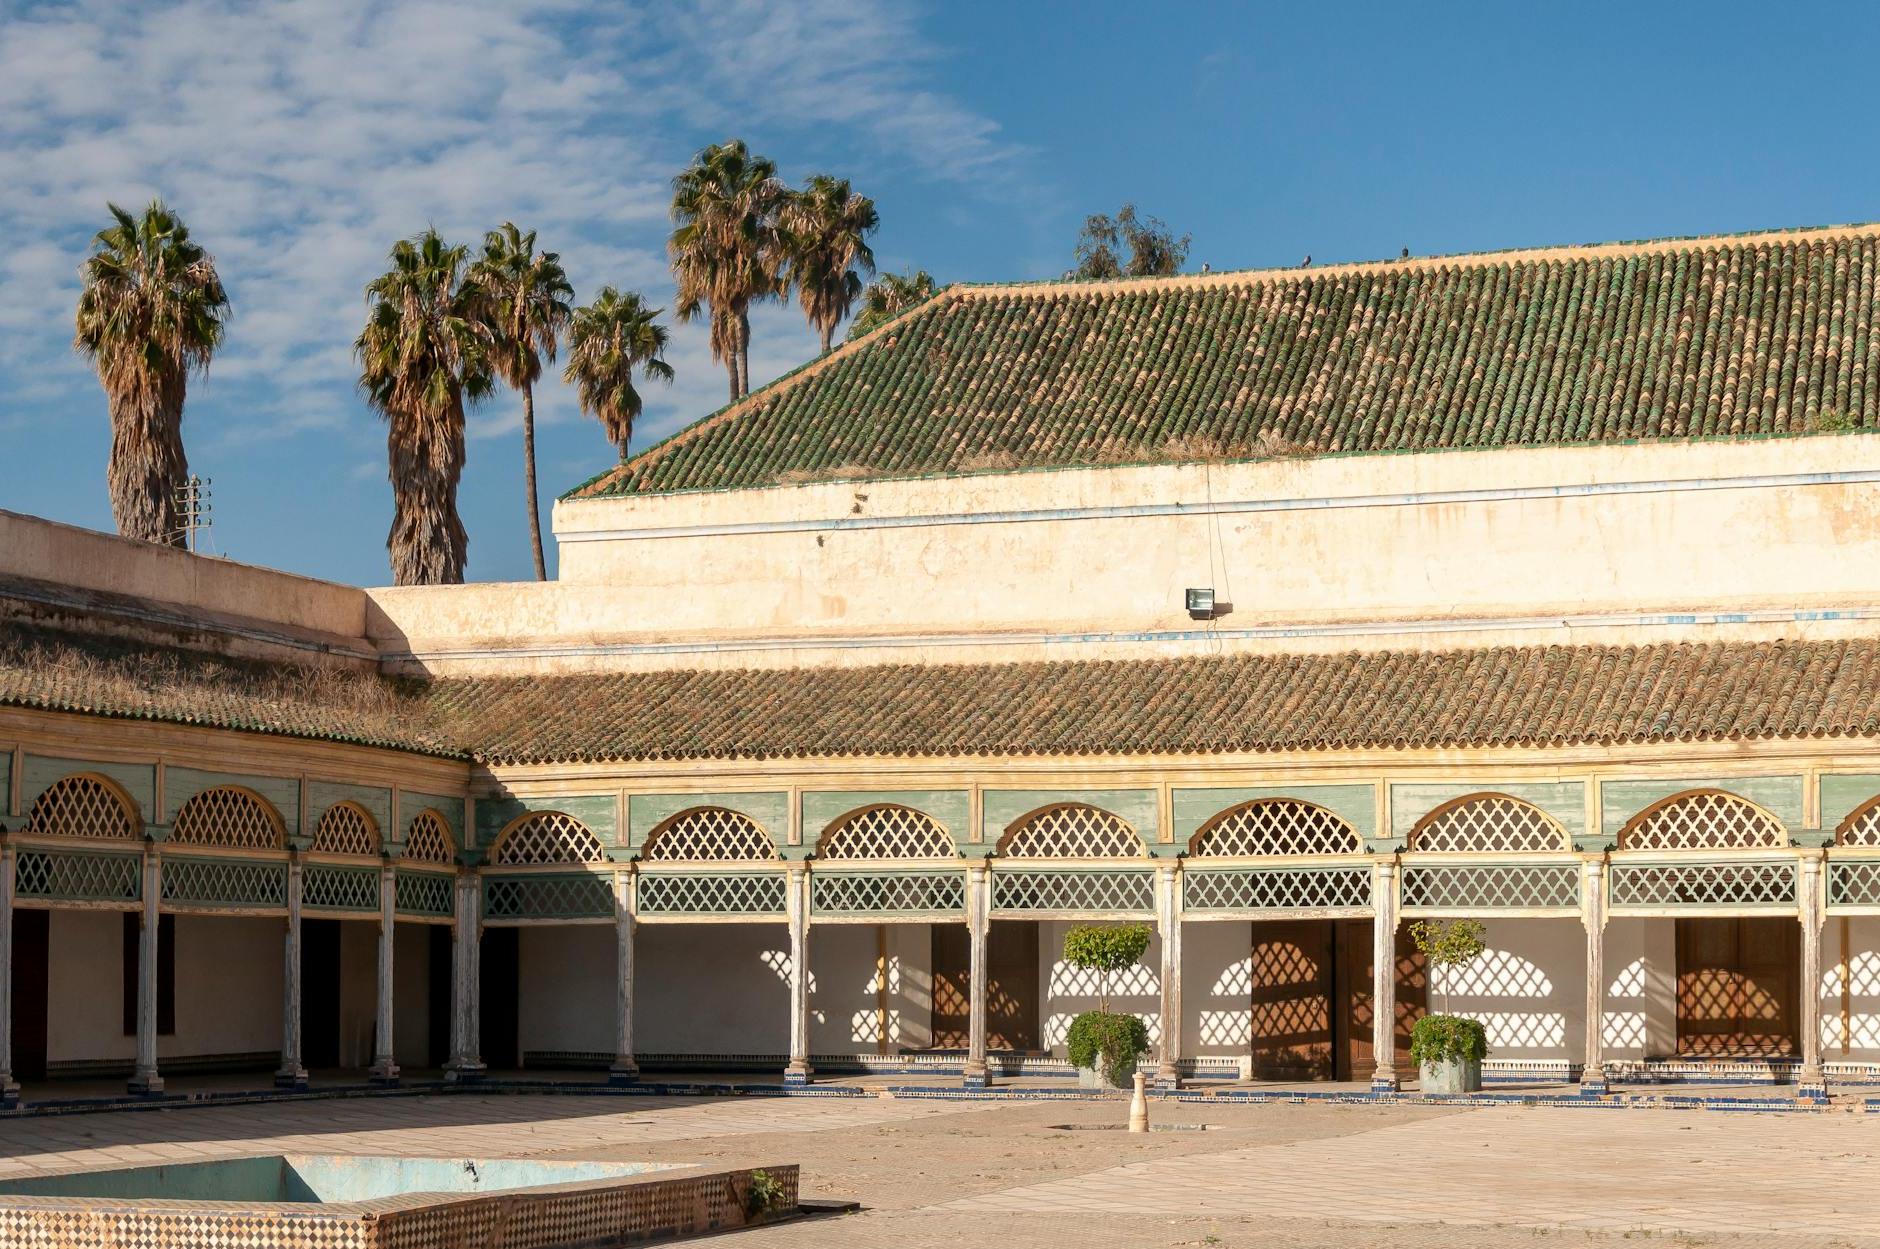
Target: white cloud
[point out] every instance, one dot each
(299, 138)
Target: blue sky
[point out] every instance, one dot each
(300, 139)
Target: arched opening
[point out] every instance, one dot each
(1071, 830)
(709, 835)
(346, 828)
(229, 817)
(546, 837)
(886, 831)
(1489, 824)
(1703, 819)
(1275, 826)
(84, 805)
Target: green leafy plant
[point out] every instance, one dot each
(1445, 1038)
(764, 1194)
(1832, 421)
(1106, 950)
(1448, 944)
(1117, 1041)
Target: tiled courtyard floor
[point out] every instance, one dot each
(998, 1174)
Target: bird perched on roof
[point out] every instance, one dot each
(1307, 262)
(1404, 254)
(1205, 266)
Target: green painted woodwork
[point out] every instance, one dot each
(139, 780)
(1565, 801)
(333, 887)
(771, 811)
(410, 802)
(258, 884)
(324, 794)
(281, 792)
(1841, 796)
(904, 893)
(1356, 805)
(416, 892)
(1004, 807)
(1620, 801)
(78, 875)
(538, 895)
(6, 784)
(596, 811)
(950, 808)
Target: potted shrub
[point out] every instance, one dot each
(1448, 1050)
(1105, 1047)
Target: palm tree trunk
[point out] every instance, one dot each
(528, 473)
(828, 335)
(147, 466)
(731, 367)
(744, 353)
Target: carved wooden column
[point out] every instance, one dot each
(1384, 975)
(796, 906)
(1593, 920)
(1811, 1082)
(144, 1079)
(978, 922)
(626, 914)
(1168, 919)
(292, 1075)
(466, 1062)
(385, 1062)
(9, 1087)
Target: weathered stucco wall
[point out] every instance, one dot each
(1473, 547)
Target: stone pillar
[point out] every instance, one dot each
(384, 1062)
(626, 914)
(1168, 920)
(1593, 920)
(292, 1074)
(796, 905)
(9, 1087)
(466, 1061)
(978, 923)
(144, 1079)
(1810, 1081)
(1384, 975)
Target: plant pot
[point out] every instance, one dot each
(1451, 1075)
(1125, 1077)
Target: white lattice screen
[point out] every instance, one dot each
(708, 834)
(1705, 820)
(428, 839)
(1273, 826)
(1072, 831)
(346, 829)
(548, 837)
(1862, 828)
(1489, 824)
(887, 832)
(229, 818)
(81, 806)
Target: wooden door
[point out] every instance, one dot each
(499, 1001)
(1011, 986)
(319, 993)
(32, 982)
(1293, 969)
(1355, 1053)
(1738, 986)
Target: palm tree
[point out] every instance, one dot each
(609, 338)
(826, 229)
(888, 296)
(424, 353)
(528, 308)
(726, 248)
(152, 309)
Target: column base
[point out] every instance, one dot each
(796, 1075)
(975, 1076)
(384, 1074)
(9, 1093)
(146, 1084)
(468, 1071)
(1811, 1085)
(293, 1079)
(1168, 1078)
(624, 1073)
(1385, 1082)
(1594, 1084)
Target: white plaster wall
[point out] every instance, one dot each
(228, 986)
(1528, 989)
(1850, 989)
(712, 989)
(566, 995)
(1217, 989)
(1067, 992)
(910, 984)
(1641, 988)
(85, 998)
(358, 992)
(411, 994)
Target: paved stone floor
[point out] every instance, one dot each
(933, 1173)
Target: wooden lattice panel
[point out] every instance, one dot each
(1489, 824)
(428, 840)
(1862, 828)
(547, 897)
(346, 829)
(1849, 884)
(227, 818)
(81, 806)
(887, 832)
(1281, 889)
(78, 876)
(709, 834)
(712, 893)
(870, 893)
(1079, 893)
(1275, 826)
(331, 887)
(423, 893)
(548, 837)
(1072, 831)
(1714, 885)
(1492, 886)
(1706, 820)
